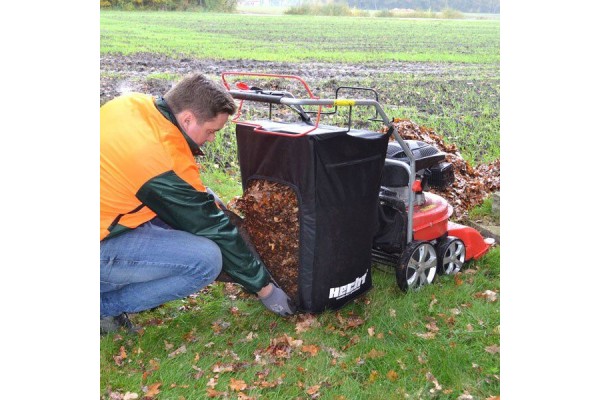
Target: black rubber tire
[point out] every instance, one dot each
(451, 254)
(417, 266)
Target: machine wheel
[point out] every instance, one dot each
(417, 266)
(451, 254)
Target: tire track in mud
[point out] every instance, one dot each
(122, 73)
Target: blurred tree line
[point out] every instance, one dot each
(171, 5)
(469, 6)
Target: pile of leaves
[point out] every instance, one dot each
(270, 212)
(471, 184)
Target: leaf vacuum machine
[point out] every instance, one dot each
(363, 191)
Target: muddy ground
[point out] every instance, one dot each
(120, 74)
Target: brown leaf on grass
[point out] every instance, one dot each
(457, 279)
(371, 331)
(353, 340)
(249, 337)
(373, 376)
(190, 336)
(266, 384)
(433, 302)
(426, 336)
(465, 396)
(212, 382)
(313, 389)
(493, 349)
(220, 367)
(469, 328)
(244, 396)
(130, 396)
(493, 398)
(212, 393)
(422, 359)
(180, 350)
(352, 321)
(334, 353)
(431, 378)
(152, 390)
(168, 346)
(310, 348)
(199, 372)
(306, 322)
(121, 356)
(219, 326)
(392, 312)
(392, 375)
(237, 384)
(432, 327)
(489, 295)
(375, 354)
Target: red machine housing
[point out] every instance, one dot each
(431, 221)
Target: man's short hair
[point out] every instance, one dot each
(203, 97)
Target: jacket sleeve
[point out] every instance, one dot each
(183, 207)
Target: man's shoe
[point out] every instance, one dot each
(112, 324)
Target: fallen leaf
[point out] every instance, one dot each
(212, 393)
(457, 280)
(212, 382)
(373, 376)
(310, 348)
(437, 387)
(433, 302)
(152, 390)
(432, 327)
(375, 354)
(489, 295)
(392, 375)
(392, 313)
(130, 396)
(371, 331)
(168, 346)
(237, 385)
(220, 367)
(179, 350)
(469, 328)
(426, 336)
(308, 321)
(493, 398)
(493, 349)
(313, 389)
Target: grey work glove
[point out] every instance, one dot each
(279, 302)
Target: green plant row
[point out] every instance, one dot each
(298, 38)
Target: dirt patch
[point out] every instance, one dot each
(123, 73)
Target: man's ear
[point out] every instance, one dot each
(185, 118)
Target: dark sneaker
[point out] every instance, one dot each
(112, 324)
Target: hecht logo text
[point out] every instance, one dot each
(345, 290)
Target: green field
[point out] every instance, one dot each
(299, 38)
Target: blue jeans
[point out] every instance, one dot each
(154, 264)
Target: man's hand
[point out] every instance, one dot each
(277, 300)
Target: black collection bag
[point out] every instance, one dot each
(336, 176)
